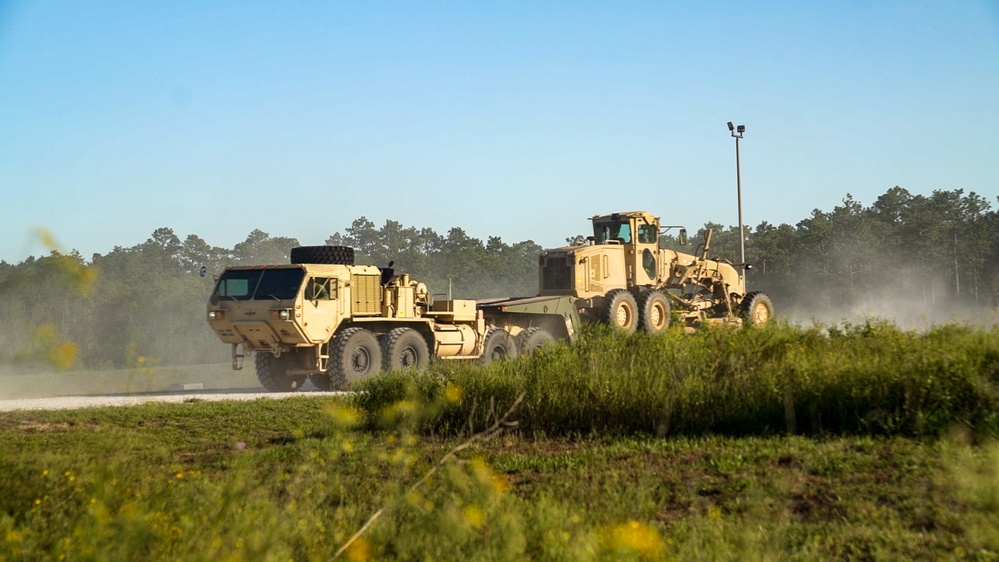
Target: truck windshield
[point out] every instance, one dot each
(605, 231)
(259, 284)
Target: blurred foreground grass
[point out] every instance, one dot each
(294, 479)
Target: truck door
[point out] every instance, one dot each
(319, 314)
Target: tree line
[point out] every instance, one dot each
(145, 304)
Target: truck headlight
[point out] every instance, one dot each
(281, 314)
(215, 314)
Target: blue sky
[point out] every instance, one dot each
(511, 119)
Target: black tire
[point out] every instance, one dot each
(499, 346)
(322, 382)
(405, 349)
(338, 255)
(653, 312)
(532, 339)
(272, 373)
(620, 311)
(355, 356)
(756, 308)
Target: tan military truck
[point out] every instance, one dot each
(326, 319)
(623, 278)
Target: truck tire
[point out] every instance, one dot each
(336, 255)
(756, 308)
(405, 349)
(355, 356)
(620, 311)
(322, 382)
(653, 312)
(271, 373)
(532, 339)
(499, 346)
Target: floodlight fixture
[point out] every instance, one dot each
(730, 127)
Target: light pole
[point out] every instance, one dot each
(737, 133)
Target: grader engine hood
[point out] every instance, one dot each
(582, 271)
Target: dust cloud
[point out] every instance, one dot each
(914, 302)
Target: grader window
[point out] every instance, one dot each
(619, 231)
(649, 263)
(647, 233)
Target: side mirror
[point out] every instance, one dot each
(682, 237)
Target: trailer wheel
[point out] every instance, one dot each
(336, 255)
(355, 356)
(405, 348)
(756, 308)
(271, 372)
(499, 346)
(653, 312)
(619, 311)
(532, 339)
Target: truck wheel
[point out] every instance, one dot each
(271, 373)
(404, 348)
(322, 382)
(355, 356)
(533, 338)
(337, 255)
(757, 308)
(499, 346)
(619, 311)
(653, 312)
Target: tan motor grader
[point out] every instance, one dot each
(622, 277)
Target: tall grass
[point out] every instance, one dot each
(868, 378)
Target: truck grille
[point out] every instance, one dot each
(556, 273)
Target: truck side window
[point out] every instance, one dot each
(320, 288)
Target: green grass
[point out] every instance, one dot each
(864, 443)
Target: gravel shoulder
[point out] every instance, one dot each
(75, 402)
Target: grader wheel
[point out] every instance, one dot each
(620, 311)
(653, 312)
(757, 309)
